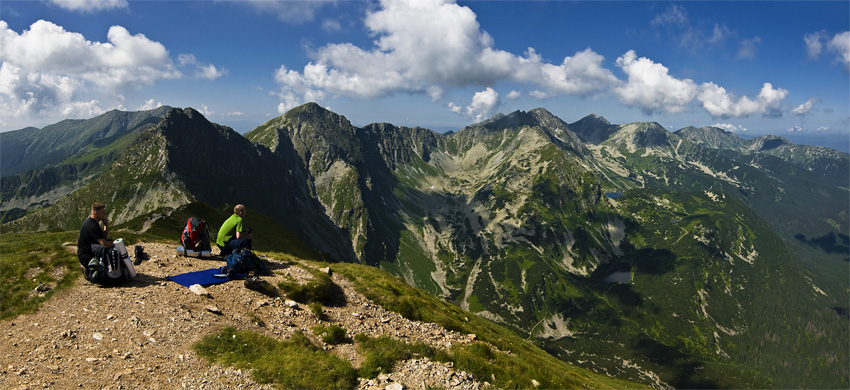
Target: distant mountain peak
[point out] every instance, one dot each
(713, 137)
(184, 120)
(640, 135)
(309, 111)
(540, 111)
(32, 148)
(593, 129)
(595, 119)
(501, 121)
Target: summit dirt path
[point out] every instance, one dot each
(140, 335)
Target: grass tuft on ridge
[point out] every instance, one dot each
(291, 364)
(28, 260)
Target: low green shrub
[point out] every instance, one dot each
(318, 310)
(382, 353)
(321, 289)
(292, 364)
(332, 334)
(256, 319)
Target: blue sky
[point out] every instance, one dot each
(752, 67)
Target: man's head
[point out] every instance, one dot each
(98, 211)
(239, 210)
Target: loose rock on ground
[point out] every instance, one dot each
(140, 335)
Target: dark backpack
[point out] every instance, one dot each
(107, 269)
(244, 262)
(196, 235)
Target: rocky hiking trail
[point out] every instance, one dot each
(140, 334)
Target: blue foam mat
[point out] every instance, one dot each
(204, 278)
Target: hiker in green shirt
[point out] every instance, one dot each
(231, 236)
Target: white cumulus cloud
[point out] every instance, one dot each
(720, 103)
(90, 5)
(48, 72)
(581, 74)
(839, 45)
(674, 15)
(814, 43)
(331, 25)
(540, 95)
(428, 47)
(804, 108)
(421, 44)
(693, 36)
(202, 71)
(484, 105)
(748, 47)
(294, 12)
(650, 86)
(730, 127)
(719, 34)
(823, 128)
(795, 129)
(435, 93)
(149, 104)
(46, 69)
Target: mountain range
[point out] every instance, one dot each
(692, 258)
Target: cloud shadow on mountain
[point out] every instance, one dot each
(829, 243)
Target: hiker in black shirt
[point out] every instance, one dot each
(93, 240)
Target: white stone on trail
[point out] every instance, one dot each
(198, 289)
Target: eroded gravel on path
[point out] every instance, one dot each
(140, 335)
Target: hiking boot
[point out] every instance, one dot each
(254, 283)
(140, 254)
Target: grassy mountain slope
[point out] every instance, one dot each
(508, 219)
(828, 164)
(497, 355)
(31, 148)
(808, 211)
(716, 301)
(137, 183)
(42, 166)
(776, 189)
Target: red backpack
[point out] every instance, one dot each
(196, 235)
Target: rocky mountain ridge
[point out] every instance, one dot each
(33, 148)
(825, 162)
(142, 334)
(43, 166)
(508, 218)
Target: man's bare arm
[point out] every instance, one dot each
(105, 243)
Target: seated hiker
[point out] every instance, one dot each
(232, 236)
(93, 241)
